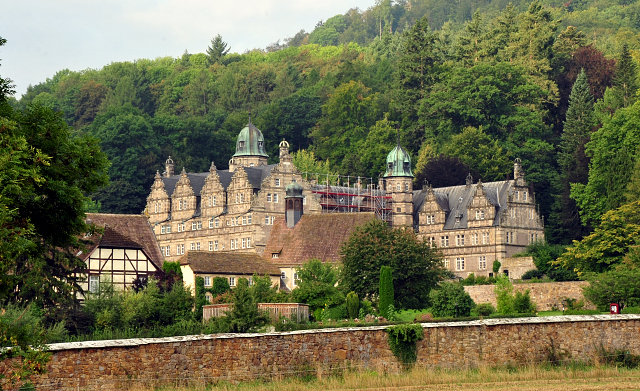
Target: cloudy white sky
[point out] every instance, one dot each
(45, 36)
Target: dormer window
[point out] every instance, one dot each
(241, 144)
(260, 144)
(406, 166)
(390, 166)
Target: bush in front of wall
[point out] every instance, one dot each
(403, 340)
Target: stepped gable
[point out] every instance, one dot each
(455, 199)
(228, 263)
(125, 231)
(314, 236)
(255, 175)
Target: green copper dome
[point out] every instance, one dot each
(250, 142)
(398, 163)
(293, 189)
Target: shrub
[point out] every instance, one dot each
(353, 304)
(496, 267)
(450, 299)
(504, 295)
(631, 310)
(522, 303)
(485, 309)
(532, 274)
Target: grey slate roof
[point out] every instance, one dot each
(454, 200)
(255, 175)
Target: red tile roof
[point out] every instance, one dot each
(228, 263)
(126, 231)
(314, 236)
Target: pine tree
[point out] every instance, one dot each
(217, 50)
(572, 160)
(625, 82)
(386, 291)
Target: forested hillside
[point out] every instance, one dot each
(469, 85)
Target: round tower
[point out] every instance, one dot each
(399, 183)
(250, 149)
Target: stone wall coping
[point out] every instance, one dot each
(475, 323)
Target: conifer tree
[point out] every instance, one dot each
(572, 160)
(625, 82)
(217, 50)
(386, 291)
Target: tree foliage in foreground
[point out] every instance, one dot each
(621, 286)
(415, 265)
(317, 285)
(449, 299)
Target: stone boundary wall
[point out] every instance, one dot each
(202, 359)
(545, 294)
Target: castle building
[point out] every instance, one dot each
(243, 208)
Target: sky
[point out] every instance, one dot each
(46, 36)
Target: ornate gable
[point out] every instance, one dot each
(158, 202)
(481, 210)
(212, 195)
(239, 192)
(183, 199)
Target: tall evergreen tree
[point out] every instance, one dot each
(386, 291)
(625, 82)
(413, 77)
(217, 50)
(573, 161)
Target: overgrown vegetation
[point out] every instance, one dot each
(403, 340)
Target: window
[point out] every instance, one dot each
(474, 239)
(432, 241)
(168, 229)
(275, 198)
(444, 241)
(250, 281)
(524, 196)
(210, 223)
(248, 219)
(510, 237)
(237, 221)
(295, 279)
(209, 297)
(485, 238)
(167, 251)
(207, 281)
(248, 242)
(210, 246)
(217, 223)
(193, 246)
(266, 220)
(532, 239)
(431, 219)
(197, 246)
(479, 214)
(237, 197)
(482, 263)
(406, 186)
(399, 210)
(231, 244)
(232, 281)
(268, 197)
(275, 255)
(244, 243)
(94, 284)
(397, 187)
(199, 225)
(273, 218)
(179, 249)
(446, 263)
(459, 264)
(215, 245)
(241, 198)
(193, 226)
(283, 275)
(459, 240)
(163, 229)
(214, 200)
(512, 212)
(244, 220)
(517, 196)
(277, 182)
(179, 205)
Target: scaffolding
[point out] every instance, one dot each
(346, 194)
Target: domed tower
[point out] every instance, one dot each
(293, 203)
(168, 167)
(250, 150)
(399, 183)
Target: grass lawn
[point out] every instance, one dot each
(409, 315)
(550, 313)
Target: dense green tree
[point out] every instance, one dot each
(444, 171)
(217, 50)
(544, 256)
(316, 285)
(625, 83)
(621, 286)
(244, 315)
(414, 75)
(385, 295)
(415, 265)
(353, 305)
(572, 159)
(611, 240)
(612, 150)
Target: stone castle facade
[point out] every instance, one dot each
(234, 210)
